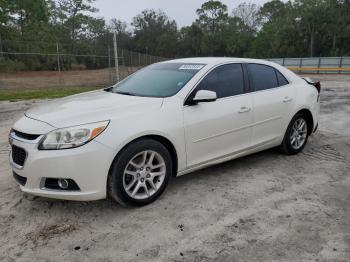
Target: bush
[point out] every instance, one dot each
(7, 66)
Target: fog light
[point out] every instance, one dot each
(63, 183)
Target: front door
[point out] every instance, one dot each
(221, 128)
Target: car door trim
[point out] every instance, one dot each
(224, 158)
(237, 129)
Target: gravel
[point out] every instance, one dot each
(264, 207)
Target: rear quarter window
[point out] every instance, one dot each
(282, 81)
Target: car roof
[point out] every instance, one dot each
(213, 61)
(217, 60)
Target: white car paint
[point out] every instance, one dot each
(202, 135)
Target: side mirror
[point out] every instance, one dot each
(204, 96)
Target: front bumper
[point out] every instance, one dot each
(87, 165)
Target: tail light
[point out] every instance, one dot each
(317, 84)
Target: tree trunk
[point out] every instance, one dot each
(312, 40)
(334, 43)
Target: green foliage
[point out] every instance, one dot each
(277, 29)
(155, 33)
(7, 65)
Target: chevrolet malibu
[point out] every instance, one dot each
(168, 119)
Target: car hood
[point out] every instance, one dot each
(91, 107)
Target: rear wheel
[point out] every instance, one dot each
(296, 135)
(140, 173)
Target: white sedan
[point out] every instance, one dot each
(168, 119)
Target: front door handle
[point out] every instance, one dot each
(244, 109)
(287, 99)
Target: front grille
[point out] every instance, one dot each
(19, 155)
(24, 135)
(20, 179)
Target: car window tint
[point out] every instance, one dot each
(225, 80)
(262, 77)
(281, 79)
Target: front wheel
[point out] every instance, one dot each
(296, 135)
(140, 173)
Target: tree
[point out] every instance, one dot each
(311, 16)
(190, 40)
(296, 28)
(124, 36)
(212, 16)
(73, 14)
(155, 33)
(248, 13)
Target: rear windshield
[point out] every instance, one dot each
(158, 80)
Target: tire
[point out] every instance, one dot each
(134, 168)
(290, 146)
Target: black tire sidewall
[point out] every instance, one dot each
(115, 188)
(286, 145)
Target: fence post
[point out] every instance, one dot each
(124, 64)
(109, 64)
(283, 61)
(58, 58)
(116, 56)
(340, 64)
(319, 65)
(139, 60)
(300, 65)
(1, 51)
(131, 60)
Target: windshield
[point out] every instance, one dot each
(158, 80)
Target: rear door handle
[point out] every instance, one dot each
(287, 99)
(244, 109)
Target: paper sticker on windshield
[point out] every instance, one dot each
(191, 67)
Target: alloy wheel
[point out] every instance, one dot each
(298, 134)
(144, 174)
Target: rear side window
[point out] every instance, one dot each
(225, 80)
(282, 81)
(262, 77)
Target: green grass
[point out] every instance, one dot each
(15, 95)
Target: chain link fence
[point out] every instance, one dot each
(38, 64)
(35, 65)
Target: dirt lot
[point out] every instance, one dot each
(46, 79)
(265, 207)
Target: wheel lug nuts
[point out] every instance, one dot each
(148, 176)
(142, 180)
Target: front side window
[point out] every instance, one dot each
(262, 77)
(158, 80)
(226, 80)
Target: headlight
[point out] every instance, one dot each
(71, 137)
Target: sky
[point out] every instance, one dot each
(182, 11)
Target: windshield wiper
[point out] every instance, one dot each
(125, 93)
(108, 89)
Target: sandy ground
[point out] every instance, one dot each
(64, 79)
(264, 207)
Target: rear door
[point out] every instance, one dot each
(217, 129)
(273, 98)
